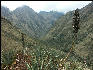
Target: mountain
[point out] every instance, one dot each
(11, 42)
(29, 21)
(61, 34)
(49, 52)
(38, 52)
(11, 36)
(6, 12)
(51, 16)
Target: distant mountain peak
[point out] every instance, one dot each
(4, 7)
(25, 7)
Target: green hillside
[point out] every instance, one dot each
(48, 43)
(11, 44)
(61, 35)
(11, 40)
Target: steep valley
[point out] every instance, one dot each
(48, 37)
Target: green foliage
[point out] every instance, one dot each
(61, 34)
(49, 59)
(47, 53)
(7, 57)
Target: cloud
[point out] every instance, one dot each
(61, 6)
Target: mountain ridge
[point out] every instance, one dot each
(32, 22)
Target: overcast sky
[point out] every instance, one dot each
(61, 6)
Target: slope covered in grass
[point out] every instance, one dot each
(61, 34)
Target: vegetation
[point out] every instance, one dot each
(50, 51)
(60, 36)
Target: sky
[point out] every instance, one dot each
(60, 6)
